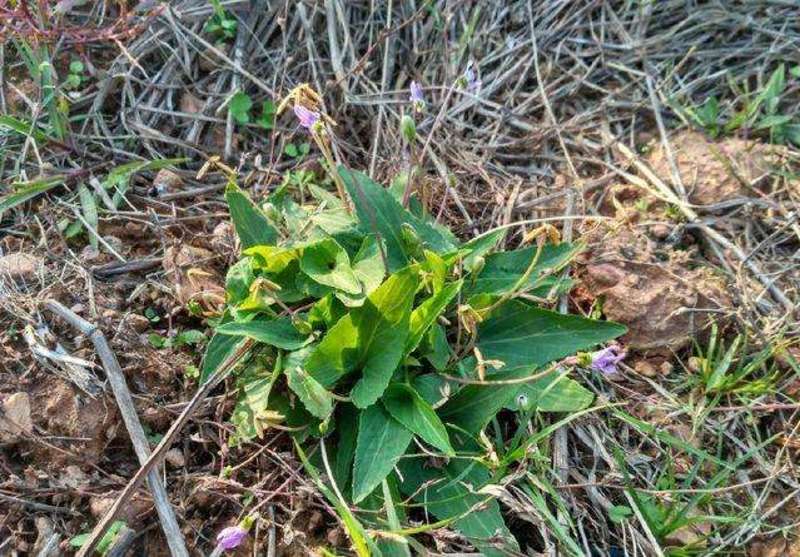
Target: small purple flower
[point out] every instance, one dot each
(231, 537)
(606, 360)
(308, 118)
(417, 97)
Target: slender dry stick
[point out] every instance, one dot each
(169, 523)
(161, 449)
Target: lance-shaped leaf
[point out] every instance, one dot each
(410, 409)
(521, 335)
(428, 311)
(275, 332)
(381, 442)
(379, 212)
(371, 338)
(502, 270)
(250, 222)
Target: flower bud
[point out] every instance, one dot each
(408, 128)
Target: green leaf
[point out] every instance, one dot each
(369, 270)
(478, 246)
(521, 335)
(279, 332)
(267, 118)
(381, 442)
(448, 493)
(437, 350)
(189, 337)
(379, 212)
(73, 81)
(24, 128)
(772, 92)
(105, 542)
(392, 547)
(238, 280)
(291, 150)
(76, 66)
(28, 190)
(240, 105)
(219, 349)
(327, 263)
(773, 121)
(426, 314)
(89, 207)
(619, 513)
(502, 270)
(250, 222)
(121, 175)
(474, 405)
(371, 338)
(347, 430)
(410, 409)
(552, 393)
(314, 397)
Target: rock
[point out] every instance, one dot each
(174, 458)
(713, 171)
(16, 266)
(62, 410)
(189, 270)
(223, 238)
(645, 368)
(15, 421)
(695, 364)
(45, 530)
(72, 477)
(167, 181)
(138, 323)
(653, 292)
(660, 231)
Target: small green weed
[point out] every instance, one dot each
(759, 112)
(221, 25)
(732, 369)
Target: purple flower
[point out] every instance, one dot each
(231, 537)
(606, 360)
(416, 96)
(308, 118)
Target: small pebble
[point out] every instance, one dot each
(645, 368)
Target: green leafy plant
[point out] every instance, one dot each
(295, 151)
(188, 337)
(75, 76)
(267, 118)
(374, 330)
(239, 107)
(759, 112)
(733, 369)
(221, 25)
